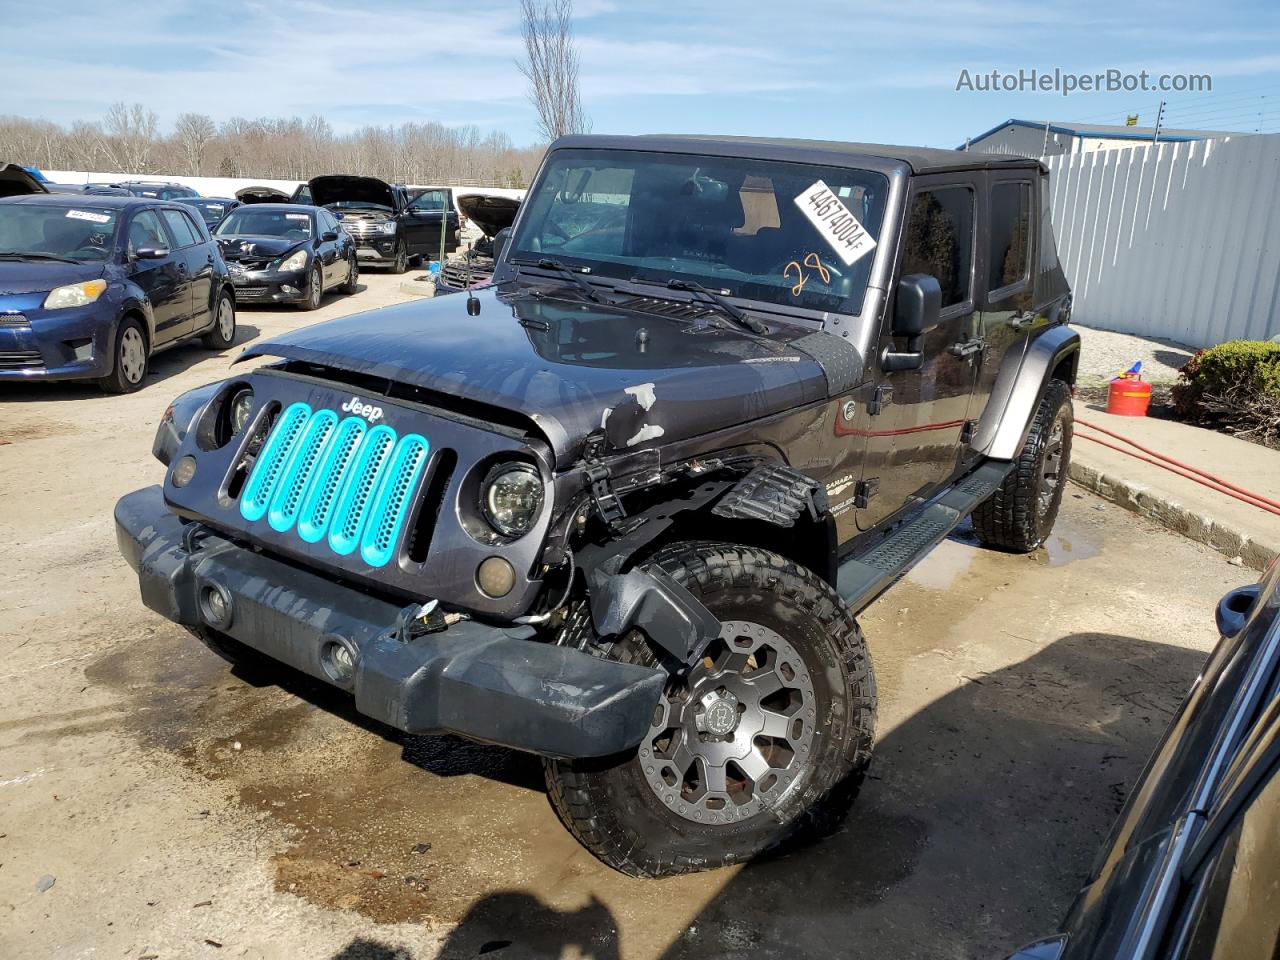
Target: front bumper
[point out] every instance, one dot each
(67, 344)
(270, 286)
(488, 683)
(376, 249)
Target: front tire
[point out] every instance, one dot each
(1019, 516)
(132, 356)
(763, 741)
(315, 291)
(223, 334)
(352, 284)
(401, 262)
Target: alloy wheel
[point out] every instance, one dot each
(1051, 468)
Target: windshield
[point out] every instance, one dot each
(266, 223)
(787, 233)
(75, 233)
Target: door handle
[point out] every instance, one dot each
(968, 347)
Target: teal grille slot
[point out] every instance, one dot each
(386, 519)
(300, 471)
(317, 505)
(271, 461)
(355, 500)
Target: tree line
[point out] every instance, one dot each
(128, 140)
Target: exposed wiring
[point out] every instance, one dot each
(1181, 469)
(537, 618)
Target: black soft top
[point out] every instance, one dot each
(826, 152)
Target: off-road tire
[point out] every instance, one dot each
(220, 338)
(315, 290)
(352, 283)
(119, 379)
(611, 808)
(1019, 516)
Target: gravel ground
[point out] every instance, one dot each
(1105, 353)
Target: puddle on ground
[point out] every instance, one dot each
(1063, 548)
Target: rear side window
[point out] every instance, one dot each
(939, 241)
(183, 232)
(1010, 234)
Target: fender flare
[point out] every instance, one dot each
(1020, 384)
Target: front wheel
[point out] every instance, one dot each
(401, 262)
(762, 741)
(315, 290)
(130, 360)
(1019, 516)
(352, 284)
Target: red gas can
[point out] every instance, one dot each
(1130, 396)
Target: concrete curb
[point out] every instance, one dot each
(1193, 524)
(418, 288)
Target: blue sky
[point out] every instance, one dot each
(830, 70)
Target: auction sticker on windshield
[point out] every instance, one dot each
(840, 228)
(87, 215)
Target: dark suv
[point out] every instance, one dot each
(622, 507)
(390, 225)
(92, 286)
(156, 190)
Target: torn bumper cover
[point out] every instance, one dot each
(493, 684)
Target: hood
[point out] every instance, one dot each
(563, 364)
(490, 214)
(41, 276)
(256, 247)
(262, 195)
(16, 181)
(341, 188)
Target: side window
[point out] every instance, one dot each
(939, 241)
(183, 233)
(146, 231)
(1009, 234)
(328, 223)
(432, 200)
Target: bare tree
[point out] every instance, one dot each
(551, 66)
(129, 134)
(194, 132)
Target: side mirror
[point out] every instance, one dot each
(329, 236)
(500, 241)
(916, 308)
(151, 253)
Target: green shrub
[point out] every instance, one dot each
(1236, 383)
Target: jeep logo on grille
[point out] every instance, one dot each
(367, 410)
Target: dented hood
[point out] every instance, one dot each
(564, 364)
(337, 188)
(489, 213)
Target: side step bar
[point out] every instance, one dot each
(862, 578)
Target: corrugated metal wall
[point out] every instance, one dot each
(1179, 240)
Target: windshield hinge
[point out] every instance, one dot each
(608, 504)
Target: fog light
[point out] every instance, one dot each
(184, 471)
(216, 606)
(339, 662)
(495, 577)
(290, 290)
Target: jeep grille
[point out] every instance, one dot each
(341, 481)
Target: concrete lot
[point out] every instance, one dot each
(183, 810)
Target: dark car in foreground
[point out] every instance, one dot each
(287, 253)
(91, 287)
(492, 214)
(389, 226)
(211, 209)
(622, 507)
(1191, 870)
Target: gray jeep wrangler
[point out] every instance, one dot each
(621, 507)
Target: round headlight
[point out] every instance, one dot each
(241, 407)
(511, 498)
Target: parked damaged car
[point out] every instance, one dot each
(1191, 870)
(389, 226)
(287, 253)
(91, 287)
(210, 209)
(622, 507)
(492, 214)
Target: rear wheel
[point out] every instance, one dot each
(129, 364)
(763, 741)
(315, 290)
(223, 334)
(1020, 515)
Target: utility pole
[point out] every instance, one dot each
(1155, 136)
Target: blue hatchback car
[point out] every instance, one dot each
(92, 286)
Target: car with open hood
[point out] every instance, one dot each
(263, 194)
(389, 225)
(287, 253)
(622, 507)
(492, 214)
(91, 287)
(18, 181)
(210, 209)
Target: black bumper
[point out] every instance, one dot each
(269, 286)
(493, 684)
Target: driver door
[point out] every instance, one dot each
(164, 280)
(422, 223)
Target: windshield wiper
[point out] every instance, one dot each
(33, 255)
(564, 271)
(725, 307)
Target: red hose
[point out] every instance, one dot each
(1183, 469)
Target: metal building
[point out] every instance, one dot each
(1036, 138)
